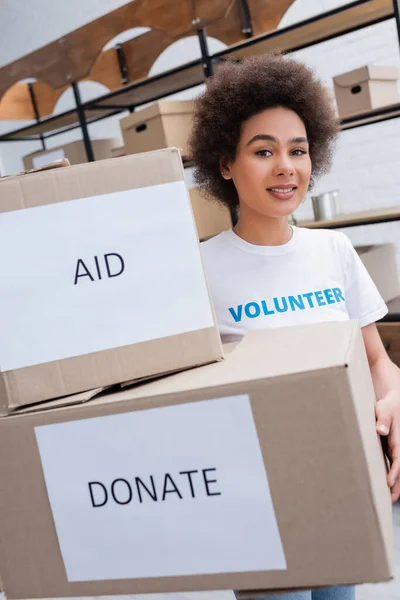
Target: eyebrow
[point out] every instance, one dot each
(271, 138)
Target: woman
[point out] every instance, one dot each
(263, 131)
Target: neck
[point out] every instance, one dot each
(262, 230)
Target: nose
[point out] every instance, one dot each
(283, 166)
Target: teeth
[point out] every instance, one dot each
(281, 189)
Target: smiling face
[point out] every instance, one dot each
(272, 168)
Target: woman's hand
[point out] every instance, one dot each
(386, 379)
(388, 425)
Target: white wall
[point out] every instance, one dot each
(366, 167)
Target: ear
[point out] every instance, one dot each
(225, 168)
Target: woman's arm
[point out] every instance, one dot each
(386, 379)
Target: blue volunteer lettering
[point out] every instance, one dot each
(253, 310)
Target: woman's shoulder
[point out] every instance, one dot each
(327, 237)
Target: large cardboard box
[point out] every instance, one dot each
(74, 152)
(101, 278)
(366, 88)
(263, 471)
(162, 124)
(211, 217)
(380, 262)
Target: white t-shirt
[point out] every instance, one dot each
(316, 276)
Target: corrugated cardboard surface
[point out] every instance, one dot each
(370, 72)
(313, 403)
(75, 151)
(163, 124)
(59, 378)
(119, 151)
(162, 107)
(211, 217)
(365, 89)
(380, 262)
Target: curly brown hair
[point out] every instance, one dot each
(239, 90)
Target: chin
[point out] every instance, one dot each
(277, 212)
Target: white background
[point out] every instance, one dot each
(161, 292)
(235, 531)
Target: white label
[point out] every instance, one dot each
(45, 159)
(207, 507)
(98, 273)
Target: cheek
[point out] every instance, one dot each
(250, 173)
(305, 171)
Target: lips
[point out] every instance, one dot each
(283, 192)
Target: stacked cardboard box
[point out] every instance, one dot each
(262, 471)
(102, 279)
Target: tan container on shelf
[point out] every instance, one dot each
(380, 262)
(74, 152)
(163, 124)
(211, 217)
(118, 151)
(390, 335)
(187, 483)
(366, 88)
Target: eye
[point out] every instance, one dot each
(264, 152)
(299, 152)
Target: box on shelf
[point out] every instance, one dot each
(221, 477)
(390, 335)
(163, 124)
(102, 279)
(118, 151)
(365, 89)
(74, 152)
(380, 262)
(211, 217)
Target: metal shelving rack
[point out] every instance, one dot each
(326, 26)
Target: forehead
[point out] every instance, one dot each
(280, 122)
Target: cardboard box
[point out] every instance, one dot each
(380, 262)
(74, 152)
(390, 335)
(365, 89)
(119, 151)
(102, 279)
(263, 471)
(211, 217)
(163, 124)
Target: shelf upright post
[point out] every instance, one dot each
(247, 28)
(36, 111)
(205, 55)
(82, 122)
(123, 67)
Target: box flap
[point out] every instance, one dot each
(50, 184)
(74, 399)
(57, 164)
(370, 72)
(260, 355)
(263, 354)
